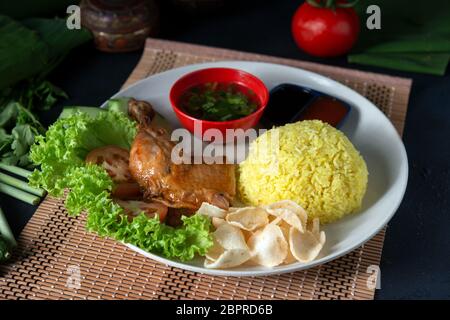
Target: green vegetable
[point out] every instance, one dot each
(19, 194)
(17, 188)
(7, 241)
(118, 104)
(33, 95)
(32, 48)
(69, 140)
(22, 185)
(61, 153)
(413, 37)
(5, 253)
(21, 51)
(121, 105)
(432, 63)
(91, 111)
(29, 50)
(20, 9)
(149, 234)
(18, 129)
(215, 102)
(15, 170)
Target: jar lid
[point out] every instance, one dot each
(120, 25)
(118, 16)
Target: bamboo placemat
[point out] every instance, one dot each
(55, 250)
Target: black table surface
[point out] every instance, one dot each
(415, 261)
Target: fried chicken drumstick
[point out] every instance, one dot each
(176, 185)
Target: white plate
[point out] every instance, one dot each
(367, 127)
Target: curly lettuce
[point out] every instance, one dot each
(149, 234)
(60, 155)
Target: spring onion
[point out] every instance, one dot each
(15, 170)
(19, 194)
(22, 185)
(7, 241)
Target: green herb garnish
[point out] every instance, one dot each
(218, 102)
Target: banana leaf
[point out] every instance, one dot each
(22, 52)
(59, 39)
(20, 9)
(430, 63)
(414, 36)
(33, 48)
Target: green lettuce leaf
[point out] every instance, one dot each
(149, 234)
(61, 153)
(68, 141)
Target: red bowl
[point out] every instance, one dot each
(222, 75)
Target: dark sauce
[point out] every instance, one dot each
(290, 103)
(286, 102)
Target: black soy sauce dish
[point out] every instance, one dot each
(290, 103)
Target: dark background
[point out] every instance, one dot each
(416, 260)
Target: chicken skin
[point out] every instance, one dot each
(176, 185)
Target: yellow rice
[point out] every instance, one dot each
(313, 164)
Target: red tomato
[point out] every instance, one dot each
(115, 161)
(134, 208)
(325, 32)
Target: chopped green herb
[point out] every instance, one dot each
(218, 101)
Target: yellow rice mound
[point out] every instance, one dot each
(308, 162)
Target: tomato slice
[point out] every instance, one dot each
(133, 208)
(115, 161)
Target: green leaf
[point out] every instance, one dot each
(22, 53)
(420, 43)
(61, 153)
(18, 129)
(5, 142)
(23, 139)
(41, 95)
(32, 94)
(8, 115)
(118, 104)
(107, 219)
(34, 47)
(5, 252)
(435, 64)
(413, 37)
(67, 142)
(20, 9)
(14, 113)
(59, 39)
(28, 52)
